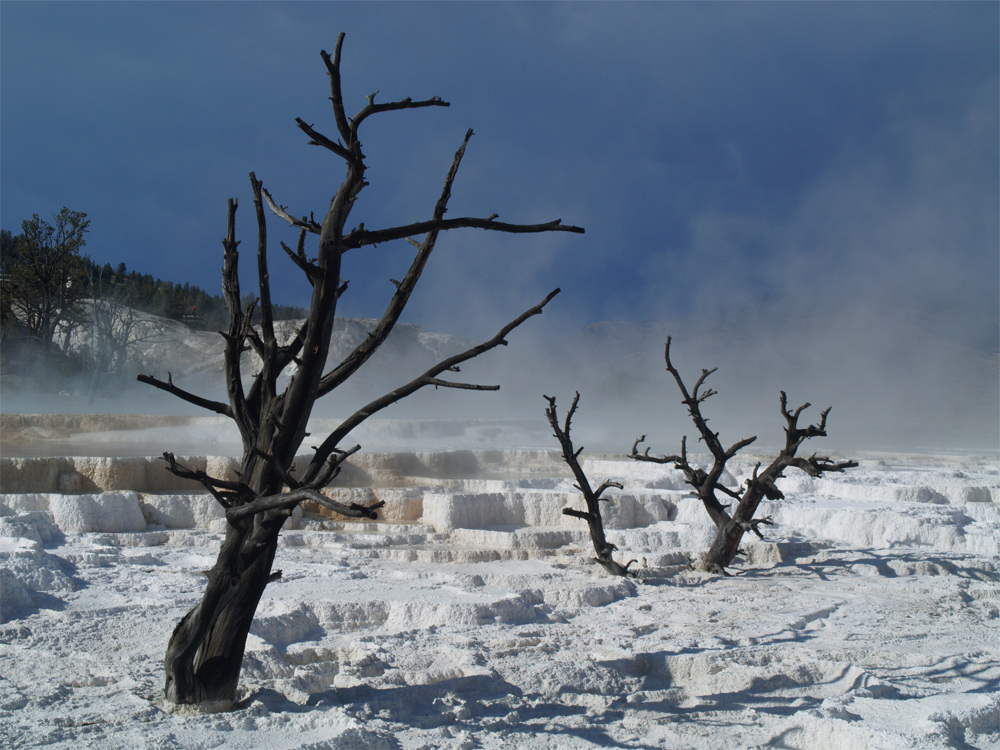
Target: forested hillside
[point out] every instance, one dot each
(69, 324)
(192, 304)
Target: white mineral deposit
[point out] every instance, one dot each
(472, 615)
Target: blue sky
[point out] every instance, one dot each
(723, 157)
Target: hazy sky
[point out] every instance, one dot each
(723, 157)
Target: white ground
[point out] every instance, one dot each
(472, 617)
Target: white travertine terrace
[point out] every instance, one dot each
(471, 614)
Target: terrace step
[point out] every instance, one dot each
(363, 527)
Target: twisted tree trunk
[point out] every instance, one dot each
(205, 652)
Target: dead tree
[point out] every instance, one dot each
(117, 337)
(205, 652)
(707, 484)
(602, 547)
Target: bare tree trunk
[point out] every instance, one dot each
(205, 652)
(206, 649)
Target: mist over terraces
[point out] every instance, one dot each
(864, 364)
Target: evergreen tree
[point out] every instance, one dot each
(47, 276)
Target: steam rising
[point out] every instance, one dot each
(898, 379)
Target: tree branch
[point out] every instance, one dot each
(299, 258)
(318, 139)
(363, 352)
(606, 485)
(336, 97)
(372, 109)
(361, 237)
(168, 386)
(635, 455)
(332, 469)
(705, 483)
(291, 499)
(578, 514)
(438, 383)
(266, 344)
(308, 225)
(238, 328)
(228, 494)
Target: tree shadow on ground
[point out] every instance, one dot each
(826, 563)
(476, 704)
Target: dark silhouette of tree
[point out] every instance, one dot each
(9, 323)
(707, 483)
(205, 652)
(46, 278)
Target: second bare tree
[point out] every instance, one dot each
(707, 483)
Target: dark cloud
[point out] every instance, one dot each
(824, 173)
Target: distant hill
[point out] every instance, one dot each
(197, 357)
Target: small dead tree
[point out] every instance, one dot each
(117, 336)
(205, 652)
(707, 484)
(602, 547)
